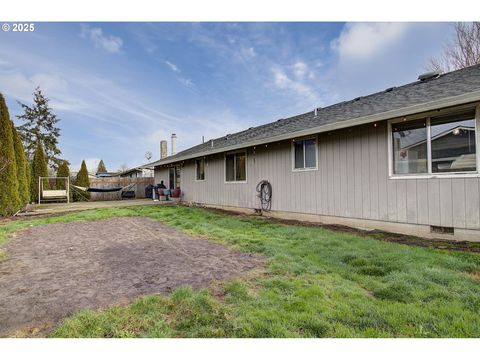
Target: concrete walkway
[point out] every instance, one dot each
(47, 209)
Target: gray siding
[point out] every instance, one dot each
(351, 181)
(161, 174)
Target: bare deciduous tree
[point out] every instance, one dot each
(462, 51)
(123, 167)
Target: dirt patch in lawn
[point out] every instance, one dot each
(52, 271)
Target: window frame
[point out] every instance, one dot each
(235, 167)
(427, 116)
(204, 169)
(294, 169)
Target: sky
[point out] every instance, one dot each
(120, 88)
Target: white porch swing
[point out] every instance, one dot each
(53, 195)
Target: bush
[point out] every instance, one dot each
(23, 169)
(9, 199)
(83, 180)
(101, 167)
(63, 171)
(38, 169)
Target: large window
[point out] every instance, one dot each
(453, 143)
(200, 169)
(305, 154)
(410, 147)
(440, 144)
(236, 166)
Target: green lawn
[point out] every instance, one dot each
(318, 283)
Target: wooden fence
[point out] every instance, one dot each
(103, 183)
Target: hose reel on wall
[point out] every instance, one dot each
(264, 190)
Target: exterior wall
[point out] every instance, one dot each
(161, 174)
(352, 181)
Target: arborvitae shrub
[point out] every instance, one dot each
(101, 167)
(39, 168)
(9, 199)
(83, 180)
(63, 171)
(23, 169)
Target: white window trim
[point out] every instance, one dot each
(430, 175)
(294, 169)
(234, 167)
(204, 169)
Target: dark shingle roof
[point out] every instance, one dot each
(445, 86)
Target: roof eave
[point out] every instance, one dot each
(386, 115)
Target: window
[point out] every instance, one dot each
(305, 154)
(200, 169)
(410, 147)
(453, 143)
(440, 144)
(236, 166)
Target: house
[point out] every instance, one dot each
(401, 160)
(135, 173)
(104, 174)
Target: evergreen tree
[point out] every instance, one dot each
(39, 168)
(82, 178)
(101, 167)
(40, 124)
(9, 200)
(22, 169)
(63, 171)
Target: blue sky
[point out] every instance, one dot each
(120, 88)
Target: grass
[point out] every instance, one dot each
(318, 283)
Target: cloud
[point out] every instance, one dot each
(172, 66)
(247, 53)
(296, 82)
(364, 40)
(192, 127)
(370, 57)
(300, 69)
(183, 80)
(187, 82)
(237, 49)
(110, 43)
(20, 86)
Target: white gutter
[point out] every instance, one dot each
(409, 110)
